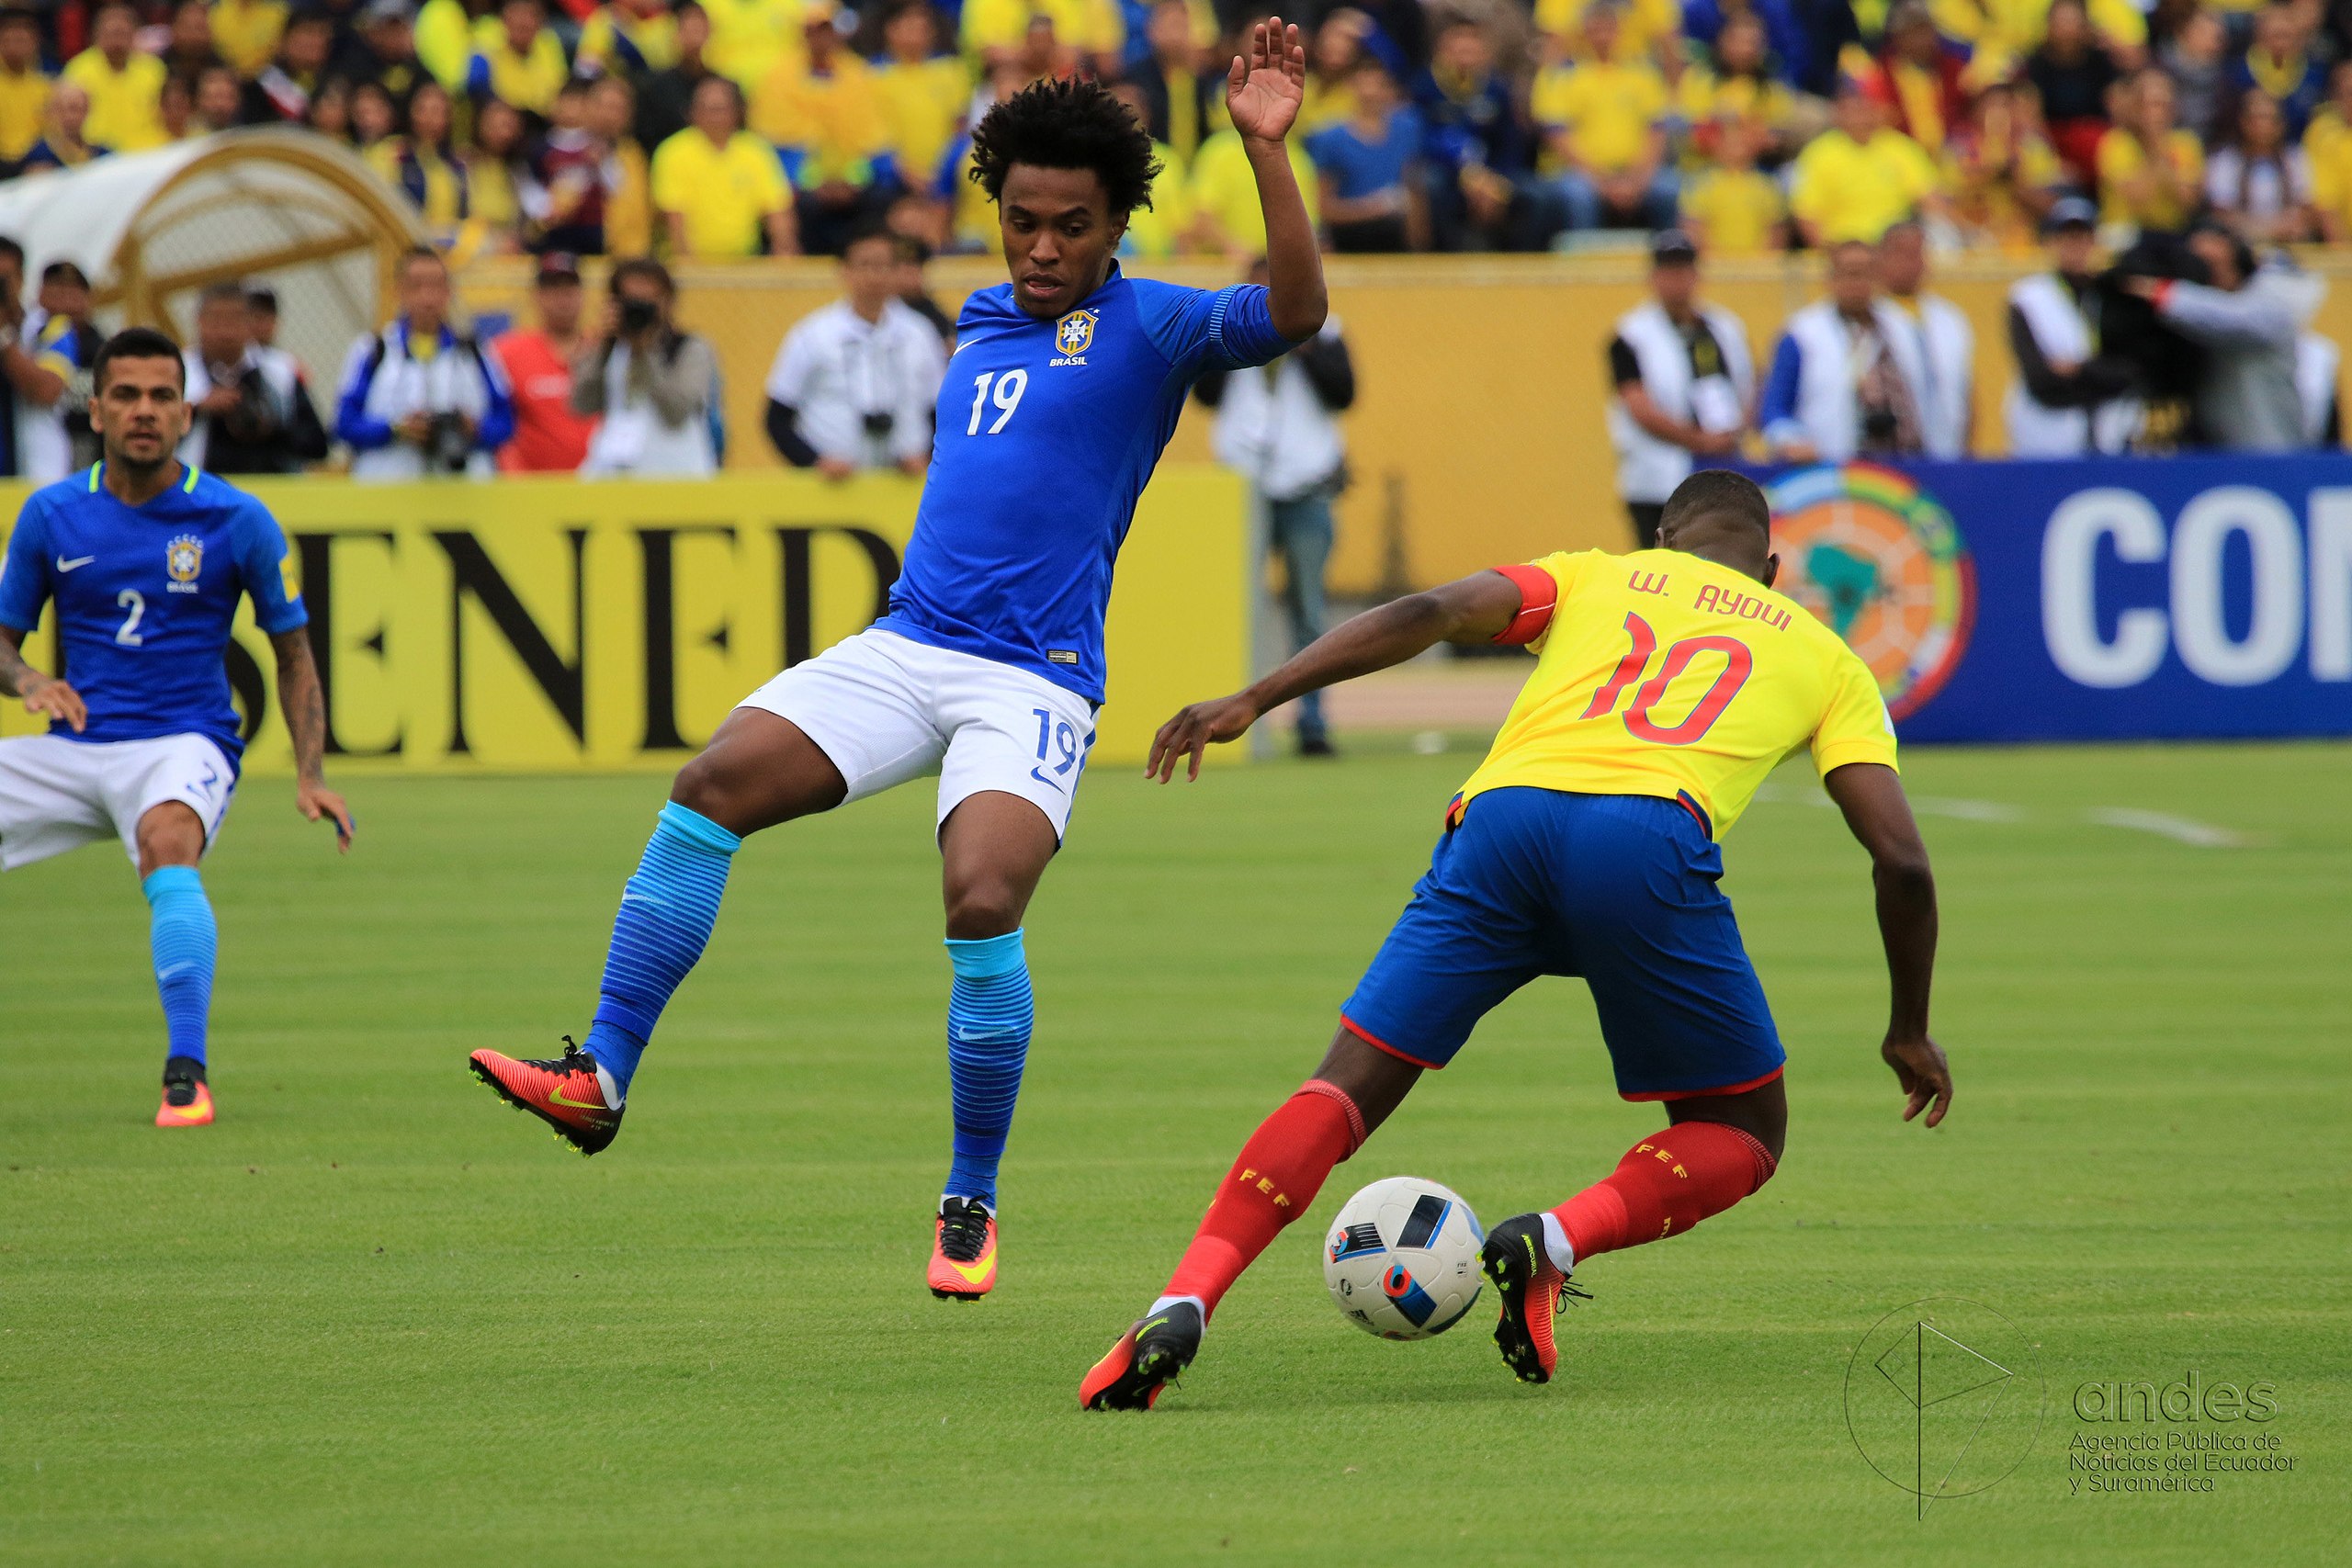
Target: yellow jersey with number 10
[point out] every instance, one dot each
(1663, 673)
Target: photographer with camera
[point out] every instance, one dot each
(244, 401)
(853, 382)
(420, 398)
(2247, 321)
(652, 382)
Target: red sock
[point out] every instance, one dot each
(1281, 1169)
(1667, 1183)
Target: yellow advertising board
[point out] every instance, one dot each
(539, 625)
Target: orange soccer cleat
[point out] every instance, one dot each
(186, 1102)
(564, 1093)
(1147, 1359)
(962, 1251)
(1533, 1289)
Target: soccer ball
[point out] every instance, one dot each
(1402, 1259)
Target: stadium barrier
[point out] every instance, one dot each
(536, 625)
(1477, 434)
(2105, 600)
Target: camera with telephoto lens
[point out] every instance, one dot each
(449, 445)
(639, 316)
(879, 424)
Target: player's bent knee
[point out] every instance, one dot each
(170, 834)
(991, 907)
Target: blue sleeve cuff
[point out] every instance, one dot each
(1241, 326)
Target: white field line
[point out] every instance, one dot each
(2180, 829)
(2202, 835)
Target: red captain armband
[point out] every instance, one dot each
(1539, 595)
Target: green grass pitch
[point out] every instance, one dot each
(375, 1317)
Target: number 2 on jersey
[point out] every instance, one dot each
(1008, 388)
(130, 599)
(1737, 663)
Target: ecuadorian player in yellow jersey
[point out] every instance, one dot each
(1667, 684)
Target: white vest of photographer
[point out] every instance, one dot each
(1271, 426)
(863, 392)
(1647, 468)
(453, 380)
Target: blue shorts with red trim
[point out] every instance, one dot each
(1620, 890)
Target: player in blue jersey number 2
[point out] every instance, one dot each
(1063, 389)
(145, 560)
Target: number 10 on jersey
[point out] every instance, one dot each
(1008, 388)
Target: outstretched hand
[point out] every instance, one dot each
(1266, 86)
(49, 696)
(1919, 1066)
(314, 801)
(1192, 731)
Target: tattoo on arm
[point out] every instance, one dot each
(14, 671)
(302, 702)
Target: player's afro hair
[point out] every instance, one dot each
(1072, 124)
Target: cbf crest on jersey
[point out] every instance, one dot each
(184, 562)
(1073, 335)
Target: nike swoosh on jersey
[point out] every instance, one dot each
(78, 561)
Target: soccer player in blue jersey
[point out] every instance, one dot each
(1065, 386)
(145, 559)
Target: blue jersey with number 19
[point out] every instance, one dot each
(144, 598)
(1048, 432)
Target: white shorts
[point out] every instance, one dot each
(885, 708)
(58, 795)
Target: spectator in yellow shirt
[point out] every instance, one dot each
(2151, 172)
(720, 190)
(2334, 119)
(1650, 29)
(924, 94)
(494, 204)
(519, 61)
(1183, 102)
(996, 30)
(1156, 229)
(124, 83)
(2003, 174)
(1739, 85)
(24, 85)
(1226, 214)
(1734, 210)
(630, 39)
(422, 165)
(1603, 121)
(62, 144)
(2015, 27)
(824, 116)
(629, 206)
(1331, 63)
(246, 33)
(748, 37)
(1859, 176)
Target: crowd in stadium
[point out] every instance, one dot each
(722, 128)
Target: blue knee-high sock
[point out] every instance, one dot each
(182, 935)
(667, 911)
(989, 1015)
